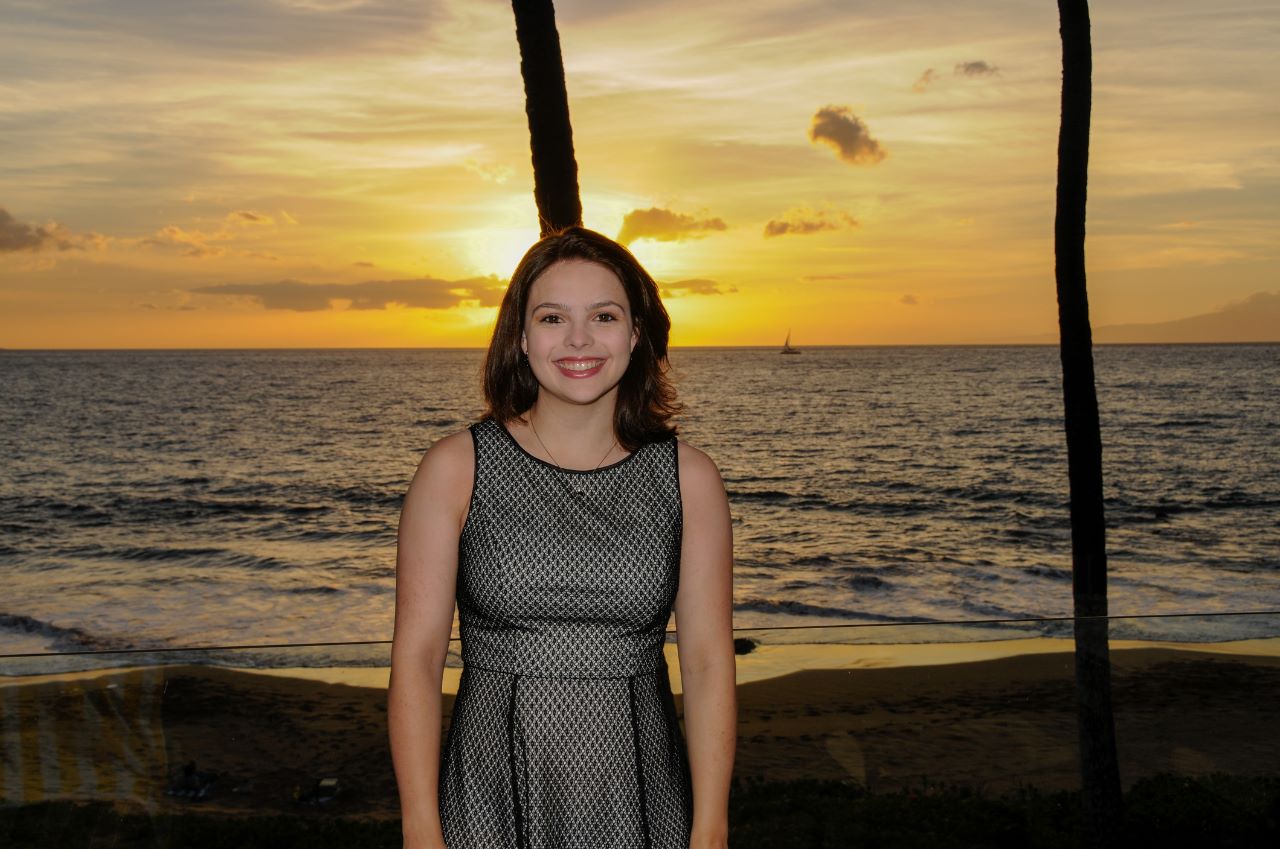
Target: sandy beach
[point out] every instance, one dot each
(993, 716)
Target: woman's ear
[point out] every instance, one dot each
(524, 344)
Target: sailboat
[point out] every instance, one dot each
(786, 346)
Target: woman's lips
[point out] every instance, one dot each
(580, 368)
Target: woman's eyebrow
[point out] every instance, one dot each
(596, 305)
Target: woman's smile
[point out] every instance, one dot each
(576, 367)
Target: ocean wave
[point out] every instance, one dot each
(864, 582)
(60, 638)
(800, 608)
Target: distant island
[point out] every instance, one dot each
(1255, 319)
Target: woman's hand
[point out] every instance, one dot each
(717, 839)
(704, 634)
(426, 573)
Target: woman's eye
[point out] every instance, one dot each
(607, 316)
(549, 319)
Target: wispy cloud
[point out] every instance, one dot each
(492, 173)
(663, 225)
(926, 79)
(423, 293)
(799, 222)
(247, 217)
(281, 29)
(695, 286)
(847, 134)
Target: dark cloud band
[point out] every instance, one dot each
(424, 293)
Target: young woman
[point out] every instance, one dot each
(567, 524)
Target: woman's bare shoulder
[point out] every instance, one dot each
(456, 447)
(446, 470)
(697, 470)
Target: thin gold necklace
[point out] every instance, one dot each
(577, 493)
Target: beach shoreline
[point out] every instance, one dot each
(763, 662)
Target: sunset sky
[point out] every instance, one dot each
(263, 173)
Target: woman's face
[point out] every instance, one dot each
(578, 332)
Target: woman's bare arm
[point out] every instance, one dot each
(426, 574)
(704, 631)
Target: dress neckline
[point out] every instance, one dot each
(502, 427)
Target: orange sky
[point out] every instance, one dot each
(347, 173)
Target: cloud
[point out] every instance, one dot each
(846, 132)
(163, 307)
(247, 217)
(192, 243)
(926, 79)
(695, 286)
(909, 300)
(422, 293)
(977, 68)
(800, 222)
(491, 173)
(16, 236)
(196, 243)
(239, 31)
(663, 225)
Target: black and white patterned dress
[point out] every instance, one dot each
(564, 732)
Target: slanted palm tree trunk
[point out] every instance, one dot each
(555, 171)
(1100, 772)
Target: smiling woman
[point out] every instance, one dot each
(568, 524)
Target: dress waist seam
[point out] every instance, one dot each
(520, 674)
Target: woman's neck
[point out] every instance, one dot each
(576, 435)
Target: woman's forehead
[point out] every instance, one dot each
(576, 282)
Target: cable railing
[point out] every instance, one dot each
(904, 623)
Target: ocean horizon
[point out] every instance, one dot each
(1047, 344)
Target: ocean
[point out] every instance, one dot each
(158, 499)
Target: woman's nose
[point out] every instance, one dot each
(579, 334)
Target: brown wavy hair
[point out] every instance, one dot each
(646, 397)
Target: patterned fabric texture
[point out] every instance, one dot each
(564, 732)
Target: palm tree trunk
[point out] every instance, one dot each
(1100, 774)
(555, 171)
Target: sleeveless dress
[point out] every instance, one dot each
(564, 732)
